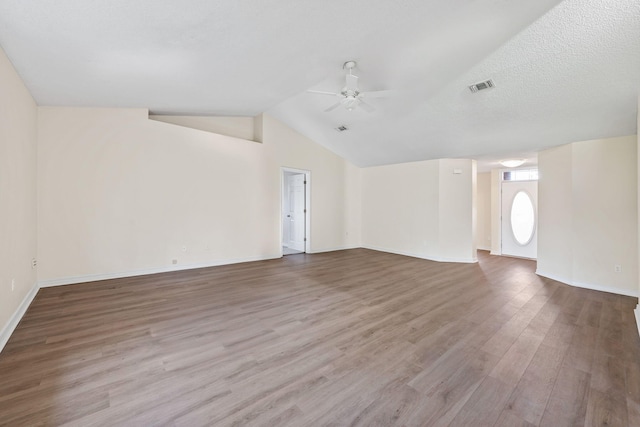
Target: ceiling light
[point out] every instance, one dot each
(512, 163)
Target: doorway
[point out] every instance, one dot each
(519, 213)
(295, 218)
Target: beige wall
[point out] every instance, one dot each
(483, 233)
(555, 213)
(237, 127)
(420, 209)
(335, 185)
(457, 220)
(400, 208)
(120, 194)
(588, 214)
(18, 117)
(496, 212)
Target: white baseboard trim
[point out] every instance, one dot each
(341, 248)
(610, 289)
(553, 277)
(593, 287)
(469, 260)
(10, 326)
(495, 253)
(120, 275)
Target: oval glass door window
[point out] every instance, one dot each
(523, 218)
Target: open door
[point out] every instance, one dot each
(294, 211)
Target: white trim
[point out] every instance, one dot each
(637, 312)
(13, 321)
(307, 205)
(393, 251)
(554, 277)
(593, 287)
(119, 275)
(470, 260)
(341, 248)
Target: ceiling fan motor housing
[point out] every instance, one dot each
(349, 65)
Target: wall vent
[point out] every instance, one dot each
(342, 128)
(488, 84)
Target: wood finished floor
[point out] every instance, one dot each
(345, 338)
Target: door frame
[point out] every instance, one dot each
(502, 219)
(307, 205)
(498, 206)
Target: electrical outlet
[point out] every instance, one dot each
(174, 261)
(617, 268)
(34, 263)
(13, 285)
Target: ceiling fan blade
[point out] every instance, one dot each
(352, 82)
(366, 107)
(378, 93)
(322, 92)
(333, 107)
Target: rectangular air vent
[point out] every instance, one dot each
(488, 84)
(341, 128)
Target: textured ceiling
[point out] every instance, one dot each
(564, 71)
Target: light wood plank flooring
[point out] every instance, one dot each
(352, 337)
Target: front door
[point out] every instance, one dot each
(520, 218)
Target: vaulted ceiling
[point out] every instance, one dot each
(563, 71)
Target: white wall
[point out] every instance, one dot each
(588, 214)
(120, 194)
(483, 233)
(420, 209)
(18, 117)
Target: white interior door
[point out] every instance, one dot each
(296, 213)
(520, 218)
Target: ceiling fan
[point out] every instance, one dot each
(350, 97)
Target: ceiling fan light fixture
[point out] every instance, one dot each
(350, 102)
(512, 163)
(350, 97)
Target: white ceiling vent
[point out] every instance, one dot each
(488, 84)
(342, 128)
